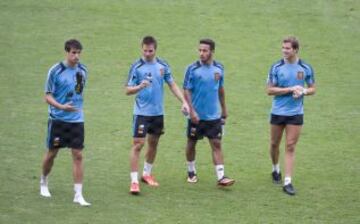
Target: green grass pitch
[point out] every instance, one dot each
(248, 36)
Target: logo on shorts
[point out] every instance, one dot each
(217, 76)
(162, 71)
(192, 132)
(141, 129)
(56, 142)
(300, 75)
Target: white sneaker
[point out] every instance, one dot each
(80, 199)
(44, 191)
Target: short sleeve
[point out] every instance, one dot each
(310, 79)
(272, 77)
(50, 82)
(132, 77)
(167, 75)
(188, 84)
(221, 82)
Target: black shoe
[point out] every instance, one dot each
(276, 177)
(289, 189)
(192, 178)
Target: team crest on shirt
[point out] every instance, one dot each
(217, 76)
(162, 71)
(300, 75)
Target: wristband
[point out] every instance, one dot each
(304, 92)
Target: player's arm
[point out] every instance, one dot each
(310, 82)
(299, 92)
(51, 100)
(193, 114)
(310, 90)
(273, 90)
(224, 113)
(179, 95)
(130, 90)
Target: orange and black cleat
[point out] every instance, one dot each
(225, 181)
(150, 180)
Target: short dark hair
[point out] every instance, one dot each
(293, 41)
(148, 40)
(72, 43)
(209, 42)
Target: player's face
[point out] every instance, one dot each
(73, 56)
(288, 52)
(148, 51)
(205, 53)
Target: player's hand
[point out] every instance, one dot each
(224, 114)
(223, 120)
(144, 83)
(185, 109)
(298, 92)
(69, 107)
(194, 117)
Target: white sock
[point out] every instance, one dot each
(79, 198)
(219, 171)
(191, 166)
(147, 169)
(43, 180)
(287, 180)
(78, 189)
(276, 167)
(134, 177)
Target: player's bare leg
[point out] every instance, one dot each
(218, 160)
(150, 155)
(276, 132)
(138, 144)
(292, 137)
(78, 174)
(47, 164)
(190, 158)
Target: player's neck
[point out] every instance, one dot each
(207, 62)
(69, 64)
(292, 60)
(149, 60)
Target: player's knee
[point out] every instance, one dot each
(77, 156)
(138, 144)
(274, 145)
(51, 155)
(290, 146)
(217, 146)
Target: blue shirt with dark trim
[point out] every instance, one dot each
(149, 101)
(283, 74)
(204, 82)
(66, 84)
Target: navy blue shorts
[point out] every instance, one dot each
(147, 124)
(284, 120)
(210, 129)
(65, 134)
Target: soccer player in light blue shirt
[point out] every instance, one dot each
(289, 81)
(149, 101)
(64, 93)
(146, 79)
(205, 94)
(65, 85)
